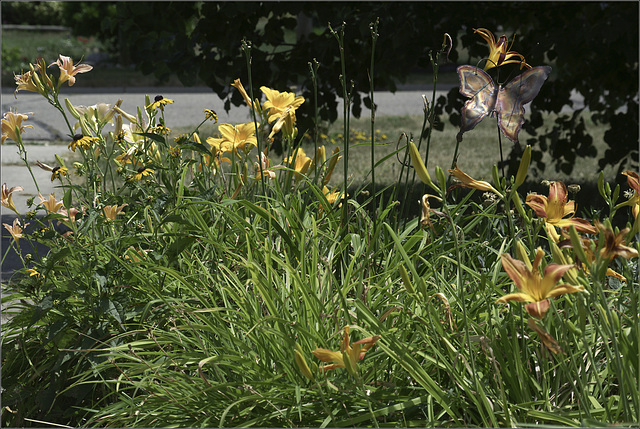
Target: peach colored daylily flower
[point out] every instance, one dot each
(16, 229)
(7, 199)
(26, 82)
(12, 125)
(534, 288)
(554, 209)
(277, 102)
(469, 182)
(68, 71)
(51, 204)
(267, 170)
(348, 356)
(499, 53)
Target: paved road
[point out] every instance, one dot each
(187, 111)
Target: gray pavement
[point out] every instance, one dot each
(187, 111)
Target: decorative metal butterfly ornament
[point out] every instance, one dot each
(507, 101)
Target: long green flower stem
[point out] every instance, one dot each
(346, 95)
(246, 49)
(374, 37)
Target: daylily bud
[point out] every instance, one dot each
(129, 117)
(72, 109)
(601, 184)
(577, 244)
(418, 165)
(406, 280)
(524, 167)
(36, 81)
(109, 115)
(302, 363)
(351, 367)
(522, 253)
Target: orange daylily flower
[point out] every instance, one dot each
(614, 243)
(68, 71)
(469, 182)
(534, 288)
(499, 53)
(348, 356)
(554, 209)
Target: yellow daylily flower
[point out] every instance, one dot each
(7, 199)
(469, 182)
(16, 229)
(285, 122)
(554, 209)
(159, 102)
(277, 102)
(534, 288)
(68, 71)
(237, 84)
(348, 354)
(301, 162)
(499, 53)
(242, 137)
(12, 125)
(111, 212)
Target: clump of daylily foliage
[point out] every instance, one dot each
(191, 280)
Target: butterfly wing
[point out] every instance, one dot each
(476, 84)
(512, 98)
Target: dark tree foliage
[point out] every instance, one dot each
(592, 47)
